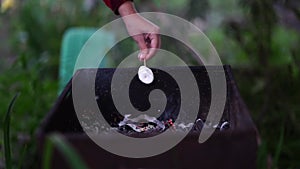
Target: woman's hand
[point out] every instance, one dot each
(145, 33)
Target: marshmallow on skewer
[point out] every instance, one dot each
(145, 75)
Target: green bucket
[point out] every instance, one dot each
(72, 43)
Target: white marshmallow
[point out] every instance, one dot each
(145, 75)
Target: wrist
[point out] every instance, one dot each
(127, 8)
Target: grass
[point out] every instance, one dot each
(66, 149)
(279, 147)
(53, 140)
(275, 111)
(6, 134)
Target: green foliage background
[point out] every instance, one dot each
(258, 38)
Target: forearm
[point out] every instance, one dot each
(127, 8)
(114, 5)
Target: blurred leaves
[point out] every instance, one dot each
(7, 4)
(35, 29)
(265, 54)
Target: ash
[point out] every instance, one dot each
(146, 126)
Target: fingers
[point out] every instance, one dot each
(148, 44)
(154, 44)
(143, 47)
(143, 55)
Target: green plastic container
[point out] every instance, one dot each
(72, 43)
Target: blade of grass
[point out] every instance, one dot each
(47, 154)
(279, 147)
(6, 134)
(66, 149)
(22, 157)
(262, 156)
